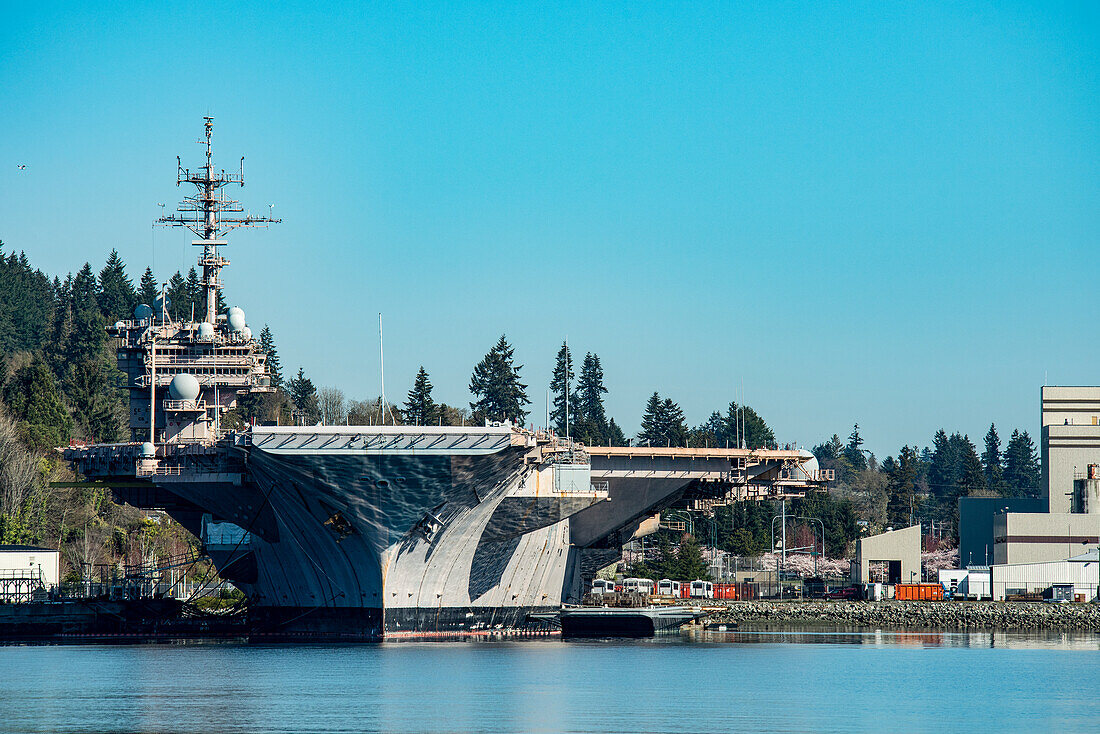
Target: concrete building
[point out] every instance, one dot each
(27, 568)
(1069, 450)
(1069, 440)
(1037, 537)
(900, 549)
(976, 547)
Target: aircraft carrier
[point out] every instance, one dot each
(365, 532)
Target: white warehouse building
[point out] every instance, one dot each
(1078, 577)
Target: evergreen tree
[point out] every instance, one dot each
(744, 427)
(562, 380)
(615, 436)
(304, 396)
(195, 298)
(853, 451)
(495, 383)
(943, 472)
(117, 297)
(267, 346)
(420, 409)
(992, 462)
(901, 486)
(26, 305)
(689, 561)
(971, 475)
(34, 402)
(674, 428)
(652, 421)
(148, 288)
(1022, 474)
(179, 299)
(97, 403)
(87, 336)
(593, 426)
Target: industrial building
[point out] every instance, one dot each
(1064, 521)
(26, 570)
(1070, 455)
(1071, 579)
(898, 549)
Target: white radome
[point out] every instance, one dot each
(235, 317)
(206, 330)
(246, 333)
(148, 449)
(184, 387)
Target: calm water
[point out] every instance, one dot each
(744, 681)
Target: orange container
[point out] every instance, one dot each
(918, 592)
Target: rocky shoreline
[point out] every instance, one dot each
(910, 614)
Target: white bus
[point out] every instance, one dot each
(701, 589)
(668, 587)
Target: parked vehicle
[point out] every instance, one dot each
(668, 587)
(700, 589)
(844, 592)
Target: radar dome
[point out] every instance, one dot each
(246, 332)
(206, 330)
(142, 312)
(184, 387)
(148, 449)
(119, 325)
(234, 309)
(236, 318)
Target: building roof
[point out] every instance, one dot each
(1085, 557)
(24, 548)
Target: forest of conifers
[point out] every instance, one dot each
(58, 382)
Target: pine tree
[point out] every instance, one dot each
(267, 346)
(88, 336)
(615, 435)
(943, 472)
(972, 476)
(992, 462)
(420, 409)
(901, 488)
(34, 402)
(674, 428)
(195, 298)
(179, 299)
(561, 380)
(853, 453)
(495, 383)
(304, 395)
(148, 288)
(593, 417)
(1022, 473)
(652, 421)
(117, 297)
(689, 561)
(743, 424)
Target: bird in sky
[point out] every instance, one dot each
(22, 167)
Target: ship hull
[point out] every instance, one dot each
(347, 543)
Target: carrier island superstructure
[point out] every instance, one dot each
(361, 532)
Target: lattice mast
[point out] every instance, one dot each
(210, 214)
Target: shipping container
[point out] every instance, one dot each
(918, 592)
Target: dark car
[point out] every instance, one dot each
(844, 592)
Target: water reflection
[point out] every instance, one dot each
(840, 635)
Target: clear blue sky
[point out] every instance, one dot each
(878, 214)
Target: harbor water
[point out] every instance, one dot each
(744, 680)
